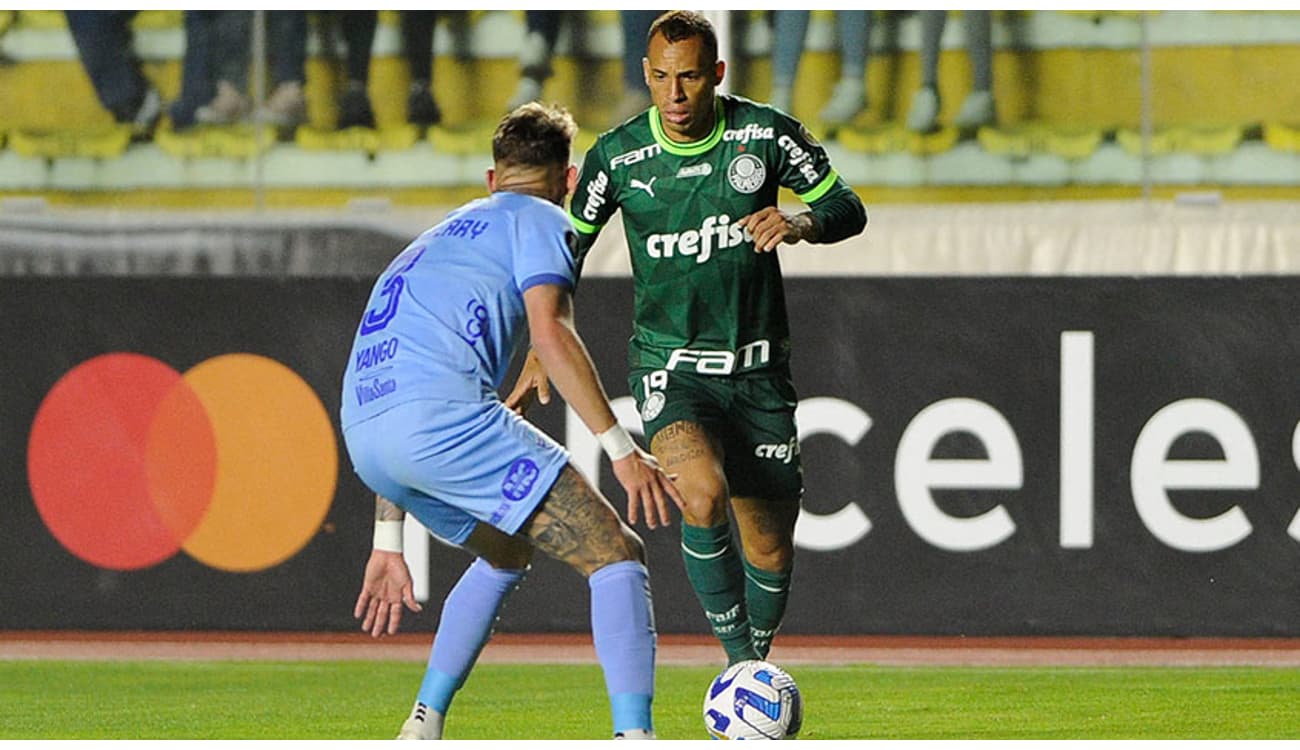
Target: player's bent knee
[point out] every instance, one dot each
(635, 546)
(498, 549)
(704, 506)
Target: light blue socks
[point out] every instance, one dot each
(468, 615)
(623, 629)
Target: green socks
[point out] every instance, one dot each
(766, 594)
(713, 567)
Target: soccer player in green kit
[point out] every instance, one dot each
(696, 177)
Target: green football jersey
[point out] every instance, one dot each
(704, 300)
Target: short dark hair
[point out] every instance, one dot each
(534, 135)
(676, 25)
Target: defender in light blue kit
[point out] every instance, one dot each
(427, 432)
(436, 338)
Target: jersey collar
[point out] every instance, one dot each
(693, 148)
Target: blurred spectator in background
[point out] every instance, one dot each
(286, 50)
(104, 45)
(849, 97)
(417, 44)
(978, 107)
(357, 27)
(287, 30)
(214, 72)
(636, 98)
(541, 29)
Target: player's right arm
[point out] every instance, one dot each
(590, 209)
(565, 359)
(387, 583)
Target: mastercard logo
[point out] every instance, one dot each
(234, 461)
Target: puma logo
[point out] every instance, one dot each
(646, 186)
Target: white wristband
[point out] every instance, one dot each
(616, 442)
(388, 535)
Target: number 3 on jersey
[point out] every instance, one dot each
(377, 319)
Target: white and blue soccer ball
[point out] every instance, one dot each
(753, 700)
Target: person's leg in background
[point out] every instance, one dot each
(977, 109)
(635, 25)
(198, 80)
(789, 27)
(358, 27)
(104, 45)
(849, 97)
(286, 106)
(230, 30)
(542, 30)
(417, 45)
(924, 113)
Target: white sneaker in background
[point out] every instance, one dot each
(286, 107)
(976, 111)
(635, 734)
(924, 114)
(528, 90)
(229, 106)
(848, 99)
(146, 118)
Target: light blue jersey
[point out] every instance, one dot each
(444, 318)
(420, 413)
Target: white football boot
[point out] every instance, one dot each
(423, 724)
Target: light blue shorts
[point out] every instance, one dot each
(454, 463)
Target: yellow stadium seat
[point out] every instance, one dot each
(159, 19)
(348, 139)
(1015, 141)
(220, 141)
(1282, 137)
(1162, 141)
(1072, 143)
(1209, 140)
(398, 138)
(467, 139)
(878, 139)
(928, 144)
(98, 144)
(42, 19)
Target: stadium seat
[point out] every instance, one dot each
(108, 143)
(217, 141)
(1282, 137)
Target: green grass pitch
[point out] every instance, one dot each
(369, 700)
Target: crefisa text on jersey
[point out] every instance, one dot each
(751, 132)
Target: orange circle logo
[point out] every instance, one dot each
(234, 462)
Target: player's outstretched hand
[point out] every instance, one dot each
(648, 488)
(531, 385)
(387, 586)
(771, 226)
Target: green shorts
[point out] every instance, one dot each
(752, 416)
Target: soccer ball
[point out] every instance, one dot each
(753, 700)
